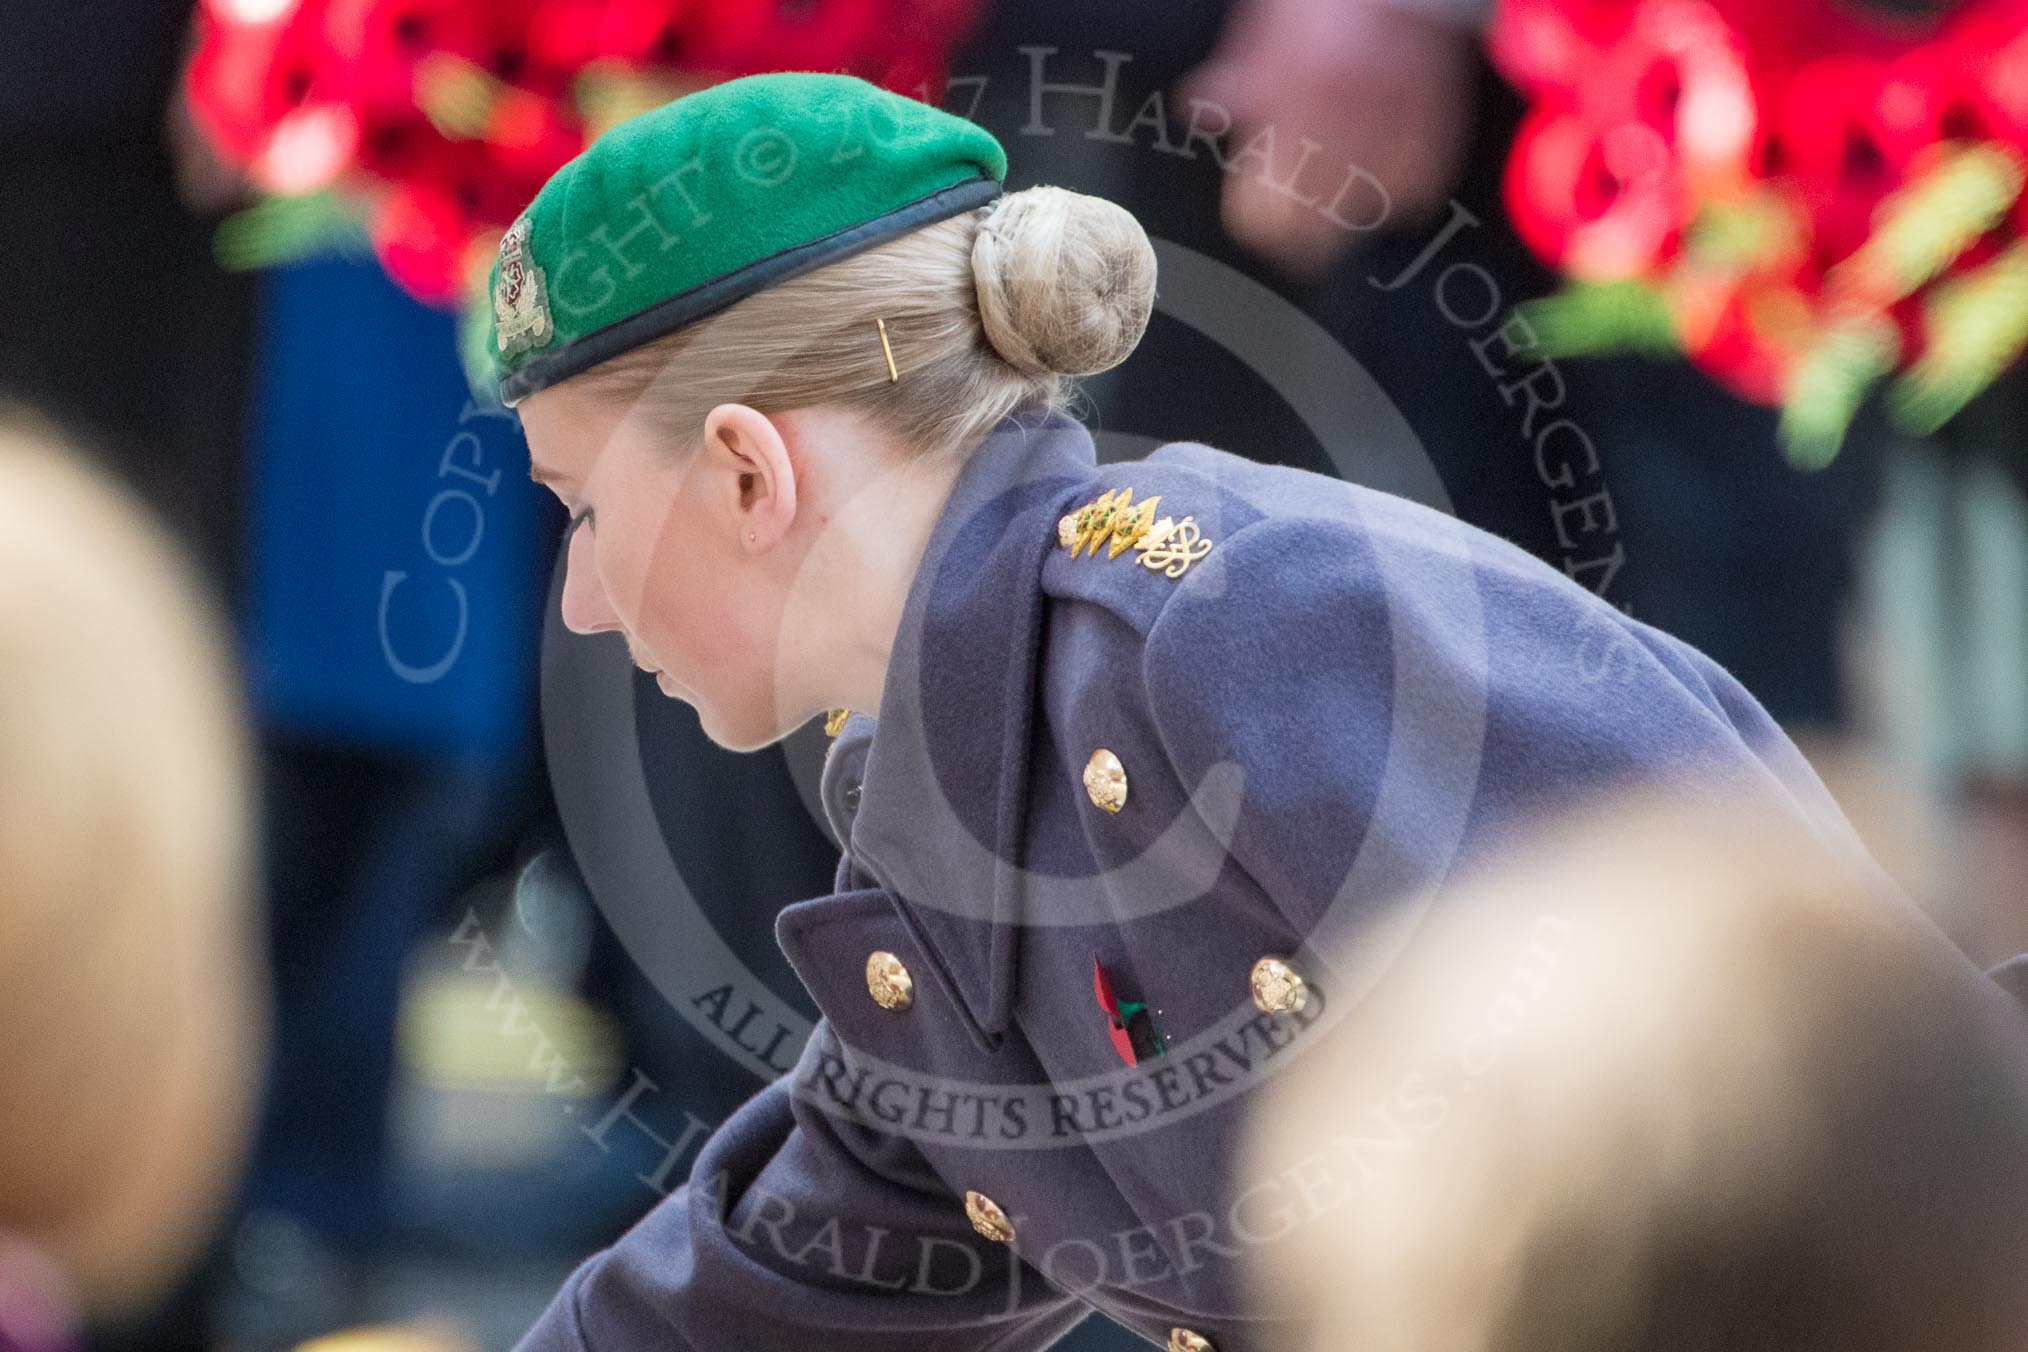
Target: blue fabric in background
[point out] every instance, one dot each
(399, 551)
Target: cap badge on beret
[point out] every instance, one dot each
(520, 295)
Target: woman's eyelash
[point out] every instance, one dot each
(582, 514)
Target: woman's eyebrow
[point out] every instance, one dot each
(540, 475)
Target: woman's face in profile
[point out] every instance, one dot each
(653, 557)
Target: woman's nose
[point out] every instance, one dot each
(585, 608)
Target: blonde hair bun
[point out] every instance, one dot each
(1066, 281)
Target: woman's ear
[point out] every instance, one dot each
(754, 478)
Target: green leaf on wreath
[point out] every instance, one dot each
(1921, 228)
(1587, 318)
(1831, 379)
(1739, 236)
(456, 95)
(1978, 327)
(608, 93)
(282, 229)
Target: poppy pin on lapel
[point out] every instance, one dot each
(1128, 1022)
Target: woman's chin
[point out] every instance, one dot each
(755, 734)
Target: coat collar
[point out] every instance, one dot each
(941, 816)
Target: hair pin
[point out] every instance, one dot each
(892, 375)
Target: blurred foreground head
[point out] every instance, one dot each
(1672, 1081)
(128, 982)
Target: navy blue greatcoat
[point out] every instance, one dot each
(1197, 769)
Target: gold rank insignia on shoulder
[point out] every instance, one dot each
(1116, 523)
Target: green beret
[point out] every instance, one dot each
(685, 209)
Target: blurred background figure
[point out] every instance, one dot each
(1388, 85)
(120, 322)
(1949, 568)
(1673, 1080)
(131, 1001)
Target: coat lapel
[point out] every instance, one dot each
(942, 820)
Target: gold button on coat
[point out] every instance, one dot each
(987, 1217)
(888, 981)
(1105, 779)
(1183, 1340)
(1277, 987)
